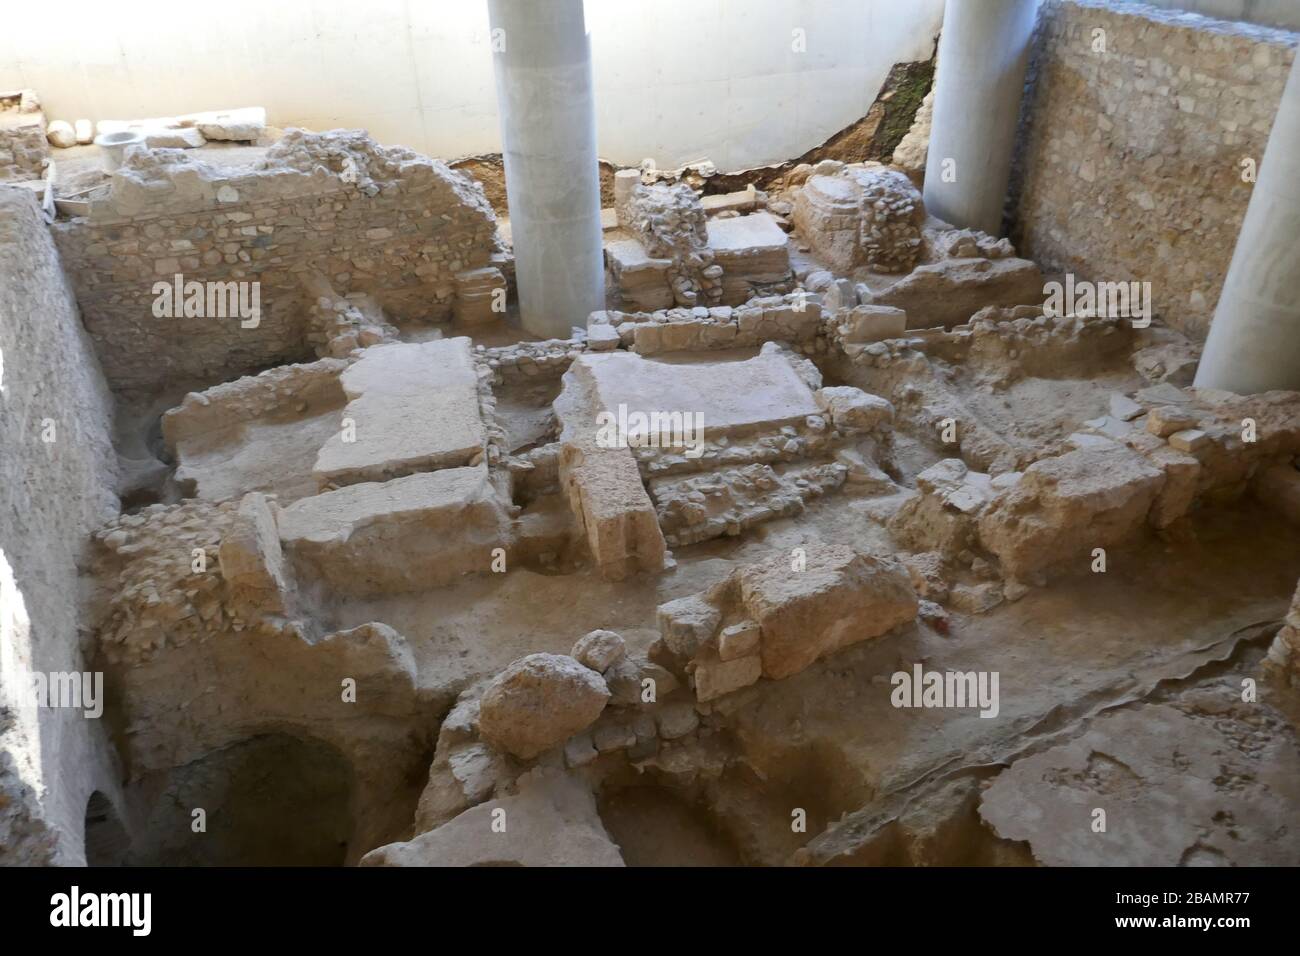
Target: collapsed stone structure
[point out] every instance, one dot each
(24, 152)
(365, 218)
(829, 515)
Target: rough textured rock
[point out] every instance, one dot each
(867, 216)
(1062, 508)
(949, 292)
(599, 650)
(57, 477)
(834, 598)
(24, 148)
(914, 148)
(540, 701)
(411, 533)
(1189, 98)
(413, 407)
(943, 516)
(250, 552)
(853, 410)
(1177, 786)
(375, 219)
(842, 597)
(552, 821)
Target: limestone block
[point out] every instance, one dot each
(604, 489)
(853, 410)
(1124, 408)
(602, 338)
(949, 292)
(1182, 475)
(1164, 420)
(246, 124)
(1189, 440)
(250, 552)
(599, 650)
(540, 701)
(714, 677)
(689, 624)
(1064, 507)
(413, 407)
(872, 323)
(739, 640)
(60, 133)
(551, 821)
(480, 296)
(825, 215)
(459, 778)
(840, 598)
(408, 534)
(179, 138)
(943, 516)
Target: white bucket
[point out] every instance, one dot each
(114, 145)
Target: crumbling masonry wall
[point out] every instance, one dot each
(57, 470)
(1130, 160)
(381, 220)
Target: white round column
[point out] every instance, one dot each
(983, 55)
(1254, 340)
(542, 57)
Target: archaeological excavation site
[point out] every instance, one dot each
(705, 434)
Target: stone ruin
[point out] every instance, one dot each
(647, 589)
(24, 152)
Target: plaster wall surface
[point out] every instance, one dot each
(420, 74)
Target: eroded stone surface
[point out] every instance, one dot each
(412, 408)
(540, 701)
(1177, 788)
(407, 534)
(552, 821)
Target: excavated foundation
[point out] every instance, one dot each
(831, 540)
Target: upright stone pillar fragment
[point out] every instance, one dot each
(542, 54)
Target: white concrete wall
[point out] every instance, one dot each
(676, 80)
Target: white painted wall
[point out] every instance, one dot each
(676, 80)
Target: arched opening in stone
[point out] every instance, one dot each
(107, 841)
(269, 800)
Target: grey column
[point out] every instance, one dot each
(983, 55)
(542, 56)
(1254, 340)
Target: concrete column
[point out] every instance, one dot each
(542, 55)
(1254, 340)
(983, 54)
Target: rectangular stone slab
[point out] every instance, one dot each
(408, 534)
(758, 393)
(413, 407)
(747, 235)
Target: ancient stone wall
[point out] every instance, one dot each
(57, 469)
(23, 149)
(1130, 164)
(380, 220)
